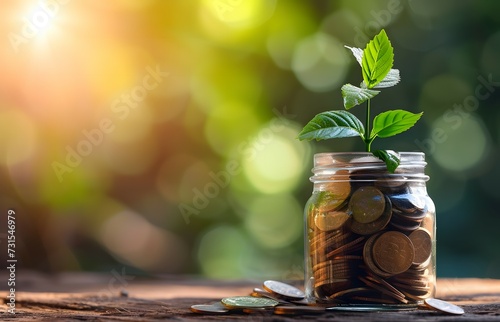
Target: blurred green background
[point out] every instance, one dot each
(160, 135)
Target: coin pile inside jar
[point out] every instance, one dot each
(371, 242)
(279, 298)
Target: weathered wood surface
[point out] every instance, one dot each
(104, 298)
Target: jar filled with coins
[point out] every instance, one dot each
(370, 234)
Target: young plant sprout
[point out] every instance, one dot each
(376, 62)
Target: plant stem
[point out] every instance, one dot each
(368, 142)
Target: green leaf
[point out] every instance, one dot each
(392, 78)
(391, 159)
(331, 125)
(354, 95)
(378, 57)
(358, 54)
(390, 123)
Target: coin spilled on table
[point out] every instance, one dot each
(284, 299)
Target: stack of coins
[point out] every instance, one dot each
(280, 298)
(275, 297)
(371, 242)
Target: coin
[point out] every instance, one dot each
(367, 204)
(344, 249)
(241, 302)
(415, 285)
(384, 283)
(428, 222)
(349, 291)
(303, 301)
(408, 203)
(402, 222)
(444, 306)
(284, 290)
(333, 195)
(333, 283)
(383, 290)
(334, 270)
(375, 226)
(389, 185)
(331, 220)
(393, 252)
(368, 257)
(296, 310)
(257, 292)
(336, 240)
(257, 310)
(215, 308)
(416, 297)
(422, 242)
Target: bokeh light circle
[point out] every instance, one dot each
(471, 135)
(274, 161)
(220, 252)
(266, 220)
(320, 62)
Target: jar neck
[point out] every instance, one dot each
(364, 167)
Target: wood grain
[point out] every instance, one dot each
(80, 297)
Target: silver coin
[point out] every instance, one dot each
(284, 290)
(215, 308)
(444, 306)
(257, 292)
(242, 302)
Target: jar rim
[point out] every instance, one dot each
(327, 166)
(333, 158)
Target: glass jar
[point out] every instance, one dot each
(370, 235)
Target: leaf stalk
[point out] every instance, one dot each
(368, 141)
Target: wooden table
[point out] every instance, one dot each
(120, 297)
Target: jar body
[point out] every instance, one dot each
(370, 235)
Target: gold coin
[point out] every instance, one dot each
(422, 242)
(331, 220)
(367, 204)
(393, 252)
